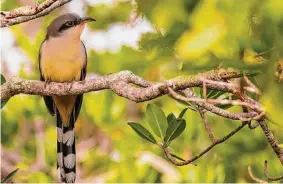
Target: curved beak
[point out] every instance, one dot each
(86, 20)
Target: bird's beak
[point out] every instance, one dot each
(86, 20)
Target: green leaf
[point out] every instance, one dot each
(213, 94)
(280, 145)
(156, 120)
(3, 80)
(143, 132)
(224, 106)
(174, 130)
(183, 113)
(9, 176)
(188, 104)
(170, 118)
(3, 102)
(216, 94)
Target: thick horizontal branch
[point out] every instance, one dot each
(117, 82)
(27, 13)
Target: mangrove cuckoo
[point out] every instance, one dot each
(63, 58)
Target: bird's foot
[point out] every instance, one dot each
(70, 85)
(46, 82)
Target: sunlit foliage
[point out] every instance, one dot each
(189, 36)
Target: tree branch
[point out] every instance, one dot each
(254, 177)
(268, 176)
(27, 13)
(271, 140)
(118, 83)
(211, 108)
(216, 142)
(206, 125)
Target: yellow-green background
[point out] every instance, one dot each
(190, 36)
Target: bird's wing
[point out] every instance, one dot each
(79, 100)
(47, 99)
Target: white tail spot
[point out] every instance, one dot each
(61, 173)
(59, 134)
(70, 160)
(69, 137)
(70, 177)
(60, 159)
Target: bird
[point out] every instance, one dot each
(63, 58)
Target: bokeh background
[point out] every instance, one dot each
(158, 40)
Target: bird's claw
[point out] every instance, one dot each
(46, 82)
(70, 84)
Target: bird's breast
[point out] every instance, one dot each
(62, 61)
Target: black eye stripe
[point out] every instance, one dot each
(67, 25)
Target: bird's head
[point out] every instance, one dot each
(68, 25)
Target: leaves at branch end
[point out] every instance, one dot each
(9, 175)
(3, 102)
(170, 118)
(142, 132)
(183, 113)
(156, 120)
(174, 130)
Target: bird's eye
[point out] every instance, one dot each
(69, 24)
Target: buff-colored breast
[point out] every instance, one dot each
(62, 61)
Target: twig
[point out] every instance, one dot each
(268, 176)
(216, 142)
(253, 177)
(221, 83)
(272, 141)
(256, 90)
(206, 125)
(27, 13)
(229, 85)
(253, 126)
(216, 110)
(27, 10)
(204, 90)
(216, 101)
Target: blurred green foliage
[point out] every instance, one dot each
(190, 36)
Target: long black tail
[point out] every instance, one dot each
(66, 149)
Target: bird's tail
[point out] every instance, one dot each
(66, 149)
